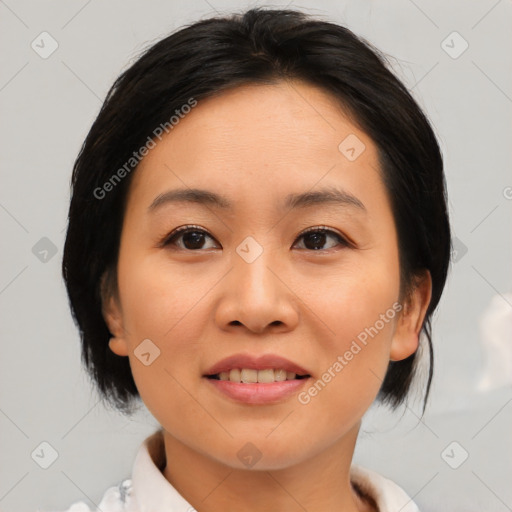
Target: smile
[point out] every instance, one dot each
(253, 376)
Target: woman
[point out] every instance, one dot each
(258, 237)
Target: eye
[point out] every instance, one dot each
(191, 237)
(315, 238)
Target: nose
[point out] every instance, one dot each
(256, 296)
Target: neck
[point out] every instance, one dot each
(317, 484)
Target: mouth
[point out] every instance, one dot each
(257, 380)
(254, 376)
(257, 387)
(249, 369)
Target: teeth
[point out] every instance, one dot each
(280, 375)
(250, 376)
(234, 375)
(266, 376)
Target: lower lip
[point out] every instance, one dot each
(259, 393)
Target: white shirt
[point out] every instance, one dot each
(149, 491)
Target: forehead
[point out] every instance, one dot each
(261, 142)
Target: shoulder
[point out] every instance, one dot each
(385, 494)
(117, 498)
(145, 472)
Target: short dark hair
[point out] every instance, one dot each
(260, 46)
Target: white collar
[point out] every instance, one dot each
(154, 493)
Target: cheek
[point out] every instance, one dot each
(158, 298)
(159, 304)
(354, 300)
(169, 305)
(357, 311)
(353, 361)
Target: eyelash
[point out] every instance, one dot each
(171, 238)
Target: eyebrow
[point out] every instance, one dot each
(328, 195)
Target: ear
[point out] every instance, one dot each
(406, 337)
(113, 317)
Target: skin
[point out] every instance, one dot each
(254, 145)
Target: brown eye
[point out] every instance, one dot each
(316, 239)
(191, 238)
(188, 238)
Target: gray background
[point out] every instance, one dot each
(47, 106)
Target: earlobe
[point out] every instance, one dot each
(111, 312)
(406, 337)
(113, 319)
(118, 346)
(112, 316)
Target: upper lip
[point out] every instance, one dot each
(263, 362)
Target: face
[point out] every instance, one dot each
(293, 267)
